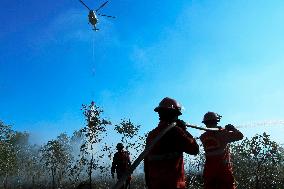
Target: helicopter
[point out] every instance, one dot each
(93, 18)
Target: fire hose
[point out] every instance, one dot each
(202, 128)
(133, 166)
(140, 158)
(148, 148)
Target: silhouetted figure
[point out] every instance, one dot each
(218, 173)
(164, 166)
(120, 164)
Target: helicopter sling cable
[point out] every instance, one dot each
(93, 49)
(93, 20)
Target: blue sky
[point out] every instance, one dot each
(225, 57)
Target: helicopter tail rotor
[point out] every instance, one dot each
(106, 15)
(101, 6)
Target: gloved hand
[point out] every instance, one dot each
(230, 127)
(181, 124)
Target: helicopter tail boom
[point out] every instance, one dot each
(106, 15)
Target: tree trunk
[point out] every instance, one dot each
(90, 172)
(33, 182)
(53, 178)
(5, 181)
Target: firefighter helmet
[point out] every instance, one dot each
(211, 116)
(119, 146)
(169, 104)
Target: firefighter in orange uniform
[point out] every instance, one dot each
(218, 173)
(120, 164)
(164, 166)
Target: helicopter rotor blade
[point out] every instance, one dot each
(101, 6)
(85, 5)
(106, 15)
